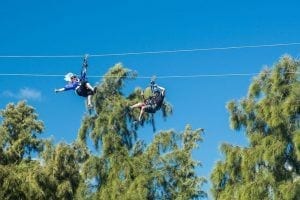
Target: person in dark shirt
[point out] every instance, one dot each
(153, 103)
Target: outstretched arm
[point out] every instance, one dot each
(59, 90)
(70, 86)
(163, 90)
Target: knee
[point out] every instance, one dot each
(141, 105)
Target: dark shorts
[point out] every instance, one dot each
(150, 108)
(83, 91)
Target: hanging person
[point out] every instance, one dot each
(152, 103)
(80, 84)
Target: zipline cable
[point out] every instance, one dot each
(153, 52)
(147, 77)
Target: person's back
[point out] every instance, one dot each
(158, 99)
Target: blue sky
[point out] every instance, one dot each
(101, 27)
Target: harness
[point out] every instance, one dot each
(156, 100)
(84, 69)
(81, 89)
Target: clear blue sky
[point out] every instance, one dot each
(100, 27)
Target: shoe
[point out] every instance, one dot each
(95, 89)
(136, 122)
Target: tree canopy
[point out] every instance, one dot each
(127, 168)
(124, 166)
(269, 167)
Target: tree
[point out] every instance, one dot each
(18, 133)
(59, 175)
(171, 167)
(126, 168)
(269, 167)
(18, 140)
(53, 173)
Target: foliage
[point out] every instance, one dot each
(55, 175)
(126, 168)
(18, 141)
(269, 168)
(18, 133)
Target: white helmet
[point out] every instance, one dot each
(68, 76)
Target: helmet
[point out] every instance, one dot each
(68, 76)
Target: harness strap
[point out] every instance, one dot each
(84, 68)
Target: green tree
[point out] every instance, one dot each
(269, 167)
(126, 168)
(59, 175)
(18, 133)
(18, 140)
(53, 173)
(169, 163)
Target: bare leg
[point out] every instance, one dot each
(138, 105)
(88, 85)
(141, 113)
(89, 101)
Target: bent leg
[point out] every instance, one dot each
(138, 105)
(146, 108)
(141, 113)
(89, 101)
(88, 86)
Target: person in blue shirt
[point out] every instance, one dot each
(80, 84)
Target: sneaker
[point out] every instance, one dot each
(95, 89)
(136, 122)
